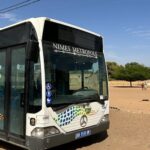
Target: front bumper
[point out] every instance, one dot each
(34, 143)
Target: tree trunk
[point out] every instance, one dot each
(130, 83)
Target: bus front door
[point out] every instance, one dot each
(12, 87)
(2, 92)
(16, 124)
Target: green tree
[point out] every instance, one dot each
(112, 67)
(132, 72)
(119, 73)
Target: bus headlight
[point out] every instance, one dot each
(105, 118)
(44, 132)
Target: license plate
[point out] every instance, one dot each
(82, 134)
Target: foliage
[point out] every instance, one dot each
(130, 72)
(112, 67)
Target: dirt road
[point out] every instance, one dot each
(130, 124)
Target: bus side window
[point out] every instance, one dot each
(37, 80)
(35, 100)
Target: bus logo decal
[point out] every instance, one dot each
(83, 121)
(48, 93)
(66, 117)
(61, 48)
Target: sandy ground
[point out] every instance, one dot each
(128, 99)
(129, 128)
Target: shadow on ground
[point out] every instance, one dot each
(125, 86)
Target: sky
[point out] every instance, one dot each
(124, 24)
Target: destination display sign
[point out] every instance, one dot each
(61, 48)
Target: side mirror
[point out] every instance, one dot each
(33, 50)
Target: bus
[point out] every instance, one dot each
(53, 84)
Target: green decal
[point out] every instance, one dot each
(65, 118)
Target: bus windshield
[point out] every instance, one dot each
(74, 77)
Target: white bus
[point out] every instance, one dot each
(53, 84)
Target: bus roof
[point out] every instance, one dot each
(43, 19)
